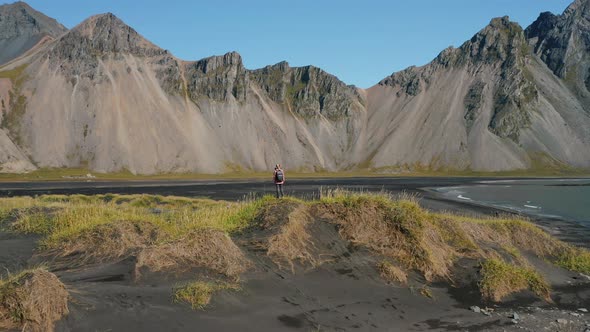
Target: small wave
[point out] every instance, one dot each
(532, 206)
(463, 197)
(496, 181)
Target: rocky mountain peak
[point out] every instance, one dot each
(282, 66)
(106, 33)
(501, 48)
(499, 41)
(99, 37)
(21, 27)
(19, 18)
(542, 25)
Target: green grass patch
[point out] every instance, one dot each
(575, 259)
(500, 279)
(18, 103)
(198, 294)
(16, 75)
(62, 218)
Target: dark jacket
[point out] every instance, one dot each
(274, 176)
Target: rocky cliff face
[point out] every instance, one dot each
(102, 96)
(563, 43)
(308, 91)
(22, 27)
(503, 45)
(218, 78)
(560, 40)
(499, 50)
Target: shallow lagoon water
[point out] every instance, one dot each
(551, 198)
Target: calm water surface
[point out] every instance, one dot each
(564, 198)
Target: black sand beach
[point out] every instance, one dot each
(345, 294)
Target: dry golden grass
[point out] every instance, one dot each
(293, 242)
(105, 242)
(392, 273)
(153, 248)
(431, 243)
(398, 229)
(211, 249)
(32, 300)
(426, 292)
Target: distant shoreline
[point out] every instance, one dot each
(80, 174)
(563, 228)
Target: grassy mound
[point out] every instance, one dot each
(32, 300)
(431, 243)
(500, 279)
(574, 259)
(198, 294)
(105, 242)
(396, 229)
(171, 233)
(208, 248)
(282, 229)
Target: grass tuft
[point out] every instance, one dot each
(392, 273)
(426, 292)
(198, 294)
(500, 279)
(293, 242)
(575, 259)
(32, 300)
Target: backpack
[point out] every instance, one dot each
(279, 175)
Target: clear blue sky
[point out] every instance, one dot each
(361, 42)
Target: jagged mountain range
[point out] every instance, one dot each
(101, 96)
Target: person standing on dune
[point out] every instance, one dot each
(279, 179)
